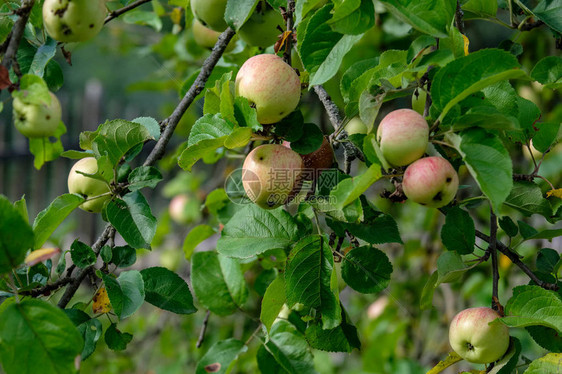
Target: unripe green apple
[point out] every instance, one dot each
(261, 29)
(210, 13)
(271, 85)
(73, 20)
(37, 120)
(184, 210)
(86, 186)
(356, 126)
(476, 340)
(418, 101)
(431, 181)
(207, 38)
(403, 136)
(271, 175)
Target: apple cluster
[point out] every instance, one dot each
(260, 30)
(403, 138)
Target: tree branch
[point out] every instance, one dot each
(289, 21)
(120, 11)
(17, 32)
(492, 249)
(458, 18)
(514, 257)
(203, 330)
(172, 121)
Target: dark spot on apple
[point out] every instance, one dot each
(448, 180)
(66, 30)
(422, 204)
(91, 25)
(281, 113)
(469, 346)
(270, 203)
(261, 158)
(47, 117)
(437, 196)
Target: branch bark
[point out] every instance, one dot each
(17, 32)
(290, 24)
(120, 11)
(492, 249)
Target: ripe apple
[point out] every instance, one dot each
(316, 161)
(476, 340)
(207, 38)
(403, 136)
(73, 21)
(430, 181)
(86, 186)
(356, 126)
(210, 13)
(184, 210)
(271, 175)
(37, 120)
(418, 101)
(260, 30)
(269, 84)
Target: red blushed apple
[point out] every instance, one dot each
(476, 340)
(269, 84)
(316, 161)
(403, 136)
(431, 181)
(271, 175)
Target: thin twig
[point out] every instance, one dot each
(120, 11)
(458, 18)
(47, 289)
(514, 257)
(289, 21)
(492, 250)
(17, 32)
(203, 330)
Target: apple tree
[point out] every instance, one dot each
(375, 172)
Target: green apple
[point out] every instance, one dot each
(476, 340)
(271, 85)
(418, 101)
(184, 209)
(74, 20)
(88, 187)
(210, 13)
(207, 38)
(271, 175)
(403, 136)
(37, 120)
(356, 126)
(430, 181)
(261, 29)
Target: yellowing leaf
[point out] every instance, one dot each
(466, 43)
(176, 15)
(39, 255)
(556, 193)
(101, 302)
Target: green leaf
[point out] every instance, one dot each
(342, 338)
(42, 57)
(286, 351)
(142, 17)
(377, 230)
(115, 339)
(480, 8)
(470, 74)
(123, 256)
(321, 49)
(245, 115)
(218, 282)
(144, 176)
(240, 137)
(310, 140)
(488, 162)
(202, 149)
(450, 267)
(238, 12)
(426, 300)
(41, 332)
(428, 16)
(47, 149)
(16, 236)
(82, 255)
(209, 127)
(195, 236)
(291, 127)
(527, 198)
(366, 270)
(167, 290)
(486, 117)
(132, 218)
(115, 138)
(253, 230)
(91, 331)
(533, 305)
(272, 302)
(151, 125)
(508, 362)
(546, 136)
(508, 226)
(353, 73)
(547, 260)
(308, 277)
(126, 293)
(548, 71)
(220, 356)
(351, 188)
(458, 232)
(549, 364)
(549, 12)
(353, 17)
